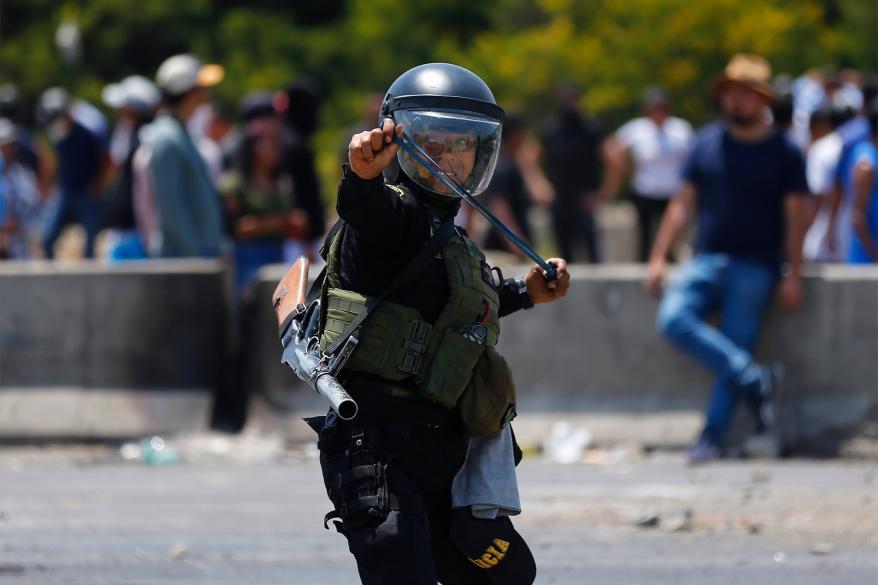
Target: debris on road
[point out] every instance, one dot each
(648, 519)
(822, 548)
(178, 551)
(152, 450)
(679, 521)
(566, 443)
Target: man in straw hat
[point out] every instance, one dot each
(745, 183)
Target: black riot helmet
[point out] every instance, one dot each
(452, 115)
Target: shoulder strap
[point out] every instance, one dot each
(440, 238)
(314, 291)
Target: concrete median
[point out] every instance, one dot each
(597, 357)
(88, 349)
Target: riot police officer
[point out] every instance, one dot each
(389, 471)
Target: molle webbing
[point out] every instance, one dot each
(392, 342)
(396, 343)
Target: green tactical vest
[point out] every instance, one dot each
(397, 344)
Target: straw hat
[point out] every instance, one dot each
(751, 71)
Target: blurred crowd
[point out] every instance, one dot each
(174, 175)
(575, 164)
(168, 172)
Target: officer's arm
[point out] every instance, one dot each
(533, 288)
(370, 206)
(513, 296)
(364, 201)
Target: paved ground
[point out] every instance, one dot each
(250, 512)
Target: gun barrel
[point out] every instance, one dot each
(305, 364)
(338, 398)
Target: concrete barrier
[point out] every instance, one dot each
(597, 353)
(87, 349)
(76, 339)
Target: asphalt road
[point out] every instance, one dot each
(84, 516)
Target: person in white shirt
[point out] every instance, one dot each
(653, 147)
(826, 241)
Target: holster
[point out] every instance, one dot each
(360, 493)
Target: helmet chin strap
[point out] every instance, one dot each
(449, 181)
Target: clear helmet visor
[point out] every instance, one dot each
(465, 146)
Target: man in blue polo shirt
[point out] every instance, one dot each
(745, 182)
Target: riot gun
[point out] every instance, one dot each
(298, 325)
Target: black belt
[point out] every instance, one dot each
(373, 402)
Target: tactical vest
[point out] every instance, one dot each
(396, 344)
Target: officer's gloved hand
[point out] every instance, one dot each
(371, 151)
(541, 291)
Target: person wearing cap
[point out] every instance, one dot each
(83, 163)
(19, 196)
(745, 182)
(657, 144)
(184, 218)
(135, 98)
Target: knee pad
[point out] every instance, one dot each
(495, 547)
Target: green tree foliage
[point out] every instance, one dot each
(612, 49)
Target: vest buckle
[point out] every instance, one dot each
(415, 347)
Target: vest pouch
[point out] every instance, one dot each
(451, 368)
(387, 339)
(488, 402)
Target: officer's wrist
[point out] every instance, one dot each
(352, 176)
(521, 288)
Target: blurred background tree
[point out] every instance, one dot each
(612, 49)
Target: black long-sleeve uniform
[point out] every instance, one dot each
(390, 227)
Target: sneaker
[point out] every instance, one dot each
(763, 399)
(702, 452)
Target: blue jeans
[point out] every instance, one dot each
(740, 291)
(74, 208)
(251, 255)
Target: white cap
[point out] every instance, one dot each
(182, 73)
(8, 132)
(135, 92)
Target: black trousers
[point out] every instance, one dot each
(649, 217)
(573, 224)
(411, 542)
